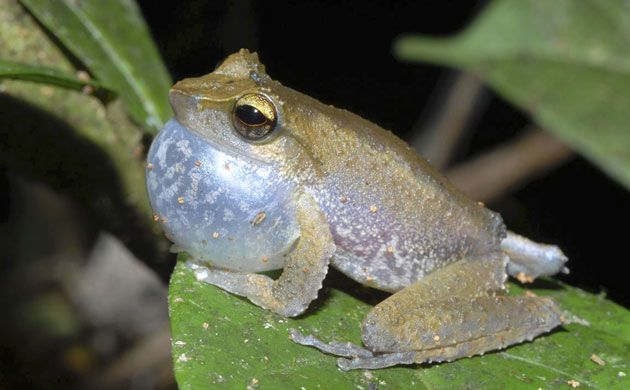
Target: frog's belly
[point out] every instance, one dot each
(378, 249)
(389, 260)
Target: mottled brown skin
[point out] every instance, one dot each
(374, 209)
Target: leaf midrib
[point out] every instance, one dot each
(119, 63)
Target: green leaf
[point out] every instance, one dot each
(93, 150)
(565, 62)
(223, 341)
(112, 40)
(25, 42)
(52, 76)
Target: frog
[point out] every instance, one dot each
(251, 176)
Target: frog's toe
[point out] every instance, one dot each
(299, 337)
(378, 361)
(337, 348)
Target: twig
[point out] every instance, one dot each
(492, 174)
(437, 139)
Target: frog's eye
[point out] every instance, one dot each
(254, 116)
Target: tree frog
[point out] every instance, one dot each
(252, 176)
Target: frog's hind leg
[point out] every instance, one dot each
(458, 311)
(455, 312)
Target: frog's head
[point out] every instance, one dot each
(236, 108)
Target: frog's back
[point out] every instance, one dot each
(394, 218)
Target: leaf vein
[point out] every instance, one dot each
(119, 62)
(558, 371)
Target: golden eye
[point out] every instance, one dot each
(254, 116)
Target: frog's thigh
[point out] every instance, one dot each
(456, 312)
(301, 277)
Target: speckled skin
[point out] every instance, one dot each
(334, 188)
(394, 218)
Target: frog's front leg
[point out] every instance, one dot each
(301, 277)
(458, 311)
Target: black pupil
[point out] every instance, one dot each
(250, 115)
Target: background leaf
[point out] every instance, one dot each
(565, 62)
(224, 341)
(25, 42)
(52, 76)
(72, 141)
(112, 40)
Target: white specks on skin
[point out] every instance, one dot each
(180, 167)
(363, 240)
(195, 178)
(208, 216)
(201, 273)
(183, 147)
(276, 222)
(211, 197)
(169, 173)
(243, 207)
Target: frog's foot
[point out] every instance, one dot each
(377, 361)
(361, 357)
(530, 260)
(455, 312)
(494, 330)
(337, 348)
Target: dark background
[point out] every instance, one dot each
(340, 52)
